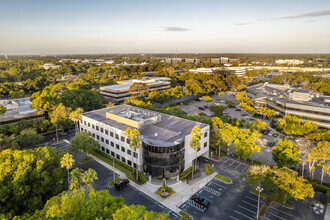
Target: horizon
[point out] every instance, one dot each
(151, 27)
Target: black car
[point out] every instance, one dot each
(201, 108)
(201, 201)
(238, 109)
(121, 183)
(271, 144)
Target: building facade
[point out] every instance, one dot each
(118, 93)
(284, 99)
(165, 149)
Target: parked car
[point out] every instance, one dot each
(205, 106)
(265, 132)
(222, 101)
(200, 201)
(121, 183)
(245, 114)
(271, 144)
(238, 109)
(201, 108)
(270, 133)
(225, 112)
(275, 134)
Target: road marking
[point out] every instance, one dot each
(276, 216)
(238, 165)
(232, 162)
(218, 185)
(281, 211)
(164, 210)
(169, 212)
(247, 209)
(225, 161)
(243, 215)
(251, 198)
(249, 203)
(233, 217)
(154, 205)
(244, 168)
(204, 197)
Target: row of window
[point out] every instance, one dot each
(117, 156)
(106, 132)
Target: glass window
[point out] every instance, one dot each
(103, 149)
(93, 126)
(84, 122)
(117, 136)
(122, 139)
(89, 124)
(122, 149)
(97, 127)
(135, 155)
(112, 154)
(117, 146)
(127, 141)
(102, 139)
(135, 165)
(205, 144)
(129, 151)
(118, 156)
(97, 137)
(101, 129)
(108, 152)
(112, 144)
(111, 133)
(129, 162)
(106, 141)
(205, 134)
(93, 135)
(106, 132)
(123, 159)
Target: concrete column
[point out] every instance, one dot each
(150, 178)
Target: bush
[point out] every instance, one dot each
(223, 179)
(186, 173)
(323, 189)
(208, 169)
(142, 177)
(185, 216)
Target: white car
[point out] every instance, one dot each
(222, 101)
(225, 112)
(270, 133)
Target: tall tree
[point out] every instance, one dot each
(195, 143)
(88, 177)
(29, 137)
(257, 175)
(139, 89)
(83, 142)
(75, 116)
(138, 212)
(134, 143)
(67, 161)
(285, 154)
(61, 116)
(304, 147)
(324, 147)
(247, 143)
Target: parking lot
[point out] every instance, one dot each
(233, 164)
(128, 193)
(279, 212)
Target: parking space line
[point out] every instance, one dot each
(247, 209)
(232, 162)
(244, 168)
(192, 206)
(204, 197)
(251, 198)
(266, 218)
(249, 203)
(276, 216)
(238, 165)
(225, 161)
(164, 210)
(218, 185)
(154, 205)
(233, 217)
(281, 211)
(243, 215)
(169, 212)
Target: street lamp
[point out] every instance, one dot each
(259, 189)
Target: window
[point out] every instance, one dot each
(135, 155)
(129, 162)
(117, 146)
(106, 141)
(122, 139)
(111, 133)
(93, 135)
(112, 154)
(118, 156)
(117, 136)
(135, 165)
(129, 151)
(198, 149)
(108, 152)
(84, 122)
(97, 137)
(122, 149)
(123, 159)
(112, 144)
(103, 149)
(205, 144)
(205, 134)
(93, 126)
(127, 140)
(89, 124)
(97, 128)
(102, 139)
(106, 132)
(101, 129)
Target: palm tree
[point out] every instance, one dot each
(75, 116)
(67, 161)
(135, 143)
(195, 143)
(88, 177)
(76, 175)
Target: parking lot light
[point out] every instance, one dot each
(259, 189)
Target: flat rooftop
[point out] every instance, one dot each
(166, 131)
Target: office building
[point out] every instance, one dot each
(292, 62)
(165, 140)
(118, 93)
(48, 66)
(285, 99)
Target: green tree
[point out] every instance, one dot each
(285, 154)
(61, 117)
(31, 177)
(195, 144)
(139, 89)
(324, 157)
(246, 143)
(82, 98)
(88, 177)
(134, 143)
(207, 98)
(67, 161)
(240, 95)
(258, 176)
(8, 142)
(75, 116)
(3, 110)
(258, 125)
(217, 109)
(138, 212)
(81, 204)
(83, 142)
(29, 137)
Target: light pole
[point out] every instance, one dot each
(56, 133)
(259, 189)
(114, 174)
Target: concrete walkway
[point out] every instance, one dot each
(327, 213)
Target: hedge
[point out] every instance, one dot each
(85, 160)
(222, 178)
(208, 169)
(322, 189)
(142, 177)
(186, 173)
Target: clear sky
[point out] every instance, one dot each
(161, 26)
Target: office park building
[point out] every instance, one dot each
(165, 140)
(309, 106)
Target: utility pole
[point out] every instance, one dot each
(114, 174)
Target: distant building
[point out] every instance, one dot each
(239, 71)
(118, 93)
(232, 60)
(292, 62)
(224, 60)
(303, 103)
(17, 109)
(48, 66)
(165, 150)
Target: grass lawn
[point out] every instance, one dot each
(58, 142)
(223, 179)
(85, 160)
(112, 183)
(185, 215)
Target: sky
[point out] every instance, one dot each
(29, 27)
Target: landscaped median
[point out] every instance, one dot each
(223, 179)
(85, 160)
(185, 216)
(112, 182)
(126, 169)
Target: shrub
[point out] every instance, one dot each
(142, 177)
(208, 169)
(186, 173)
(222, 178)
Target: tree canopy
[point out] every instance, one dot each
(285, 154)
(83, 142)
